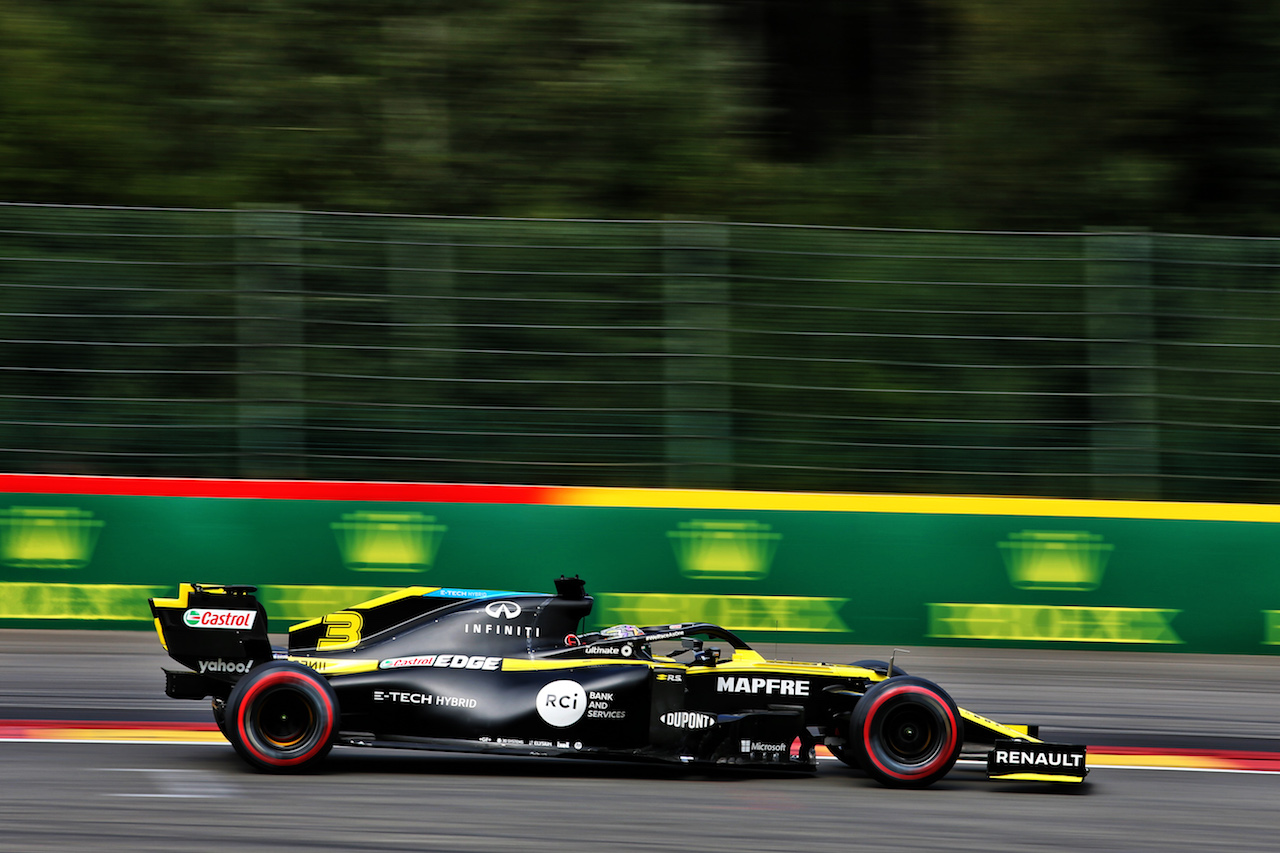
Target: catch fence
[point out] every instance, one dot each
(281, 343)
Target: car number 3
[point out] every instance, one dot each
(341, 631)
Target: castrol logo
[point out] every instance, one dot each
(198, 617)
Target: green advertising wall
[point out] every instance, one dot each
(945, 572)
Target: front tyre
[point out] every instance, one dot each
(282, 717)
(906, 732)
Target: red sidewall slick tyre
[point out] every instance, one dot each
(282, 717)
(906, 732)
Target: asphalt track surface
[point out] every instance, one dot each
(123, 796)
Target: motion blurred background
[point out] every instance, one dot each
(954, 246)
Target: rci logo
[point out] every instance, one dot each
(562, 703)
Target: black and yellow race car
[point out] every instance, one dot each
(511, 673)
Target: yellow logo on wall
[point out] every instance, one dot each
(1047, 623)
(47, 537)
(296, 603)
(1271, 627)
(388, 541)
(92, 601)
(735, 612)
(1070, 561)
(724, 550)
(1055, 560)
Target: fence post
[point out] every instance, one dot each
(698, 397)
(1125, 436)
(420, 279)
(270, 306)
(422, 307)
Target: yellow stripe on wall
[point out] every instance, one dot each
(912, 504)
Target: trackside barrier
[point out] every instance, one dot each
(865, 569)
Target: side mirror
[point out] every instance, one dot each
(710, 657)
(691, 644)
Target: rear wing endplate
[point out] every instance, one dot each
(217, 630)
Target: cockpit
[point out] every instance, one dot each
(691, 643)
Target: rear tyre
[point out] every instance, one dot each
(219, 707)
(906, 732)
(282, 717)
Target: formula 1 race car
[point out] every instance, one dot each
(509, 673)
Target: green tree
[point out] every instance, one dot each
(537, 107)
(1064, 115)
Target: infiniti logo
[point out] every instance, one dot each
(503, 609)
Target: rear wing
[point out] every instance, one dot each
(219, 631)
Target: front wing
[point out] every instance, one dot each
(1024, 761)
(1017, 754)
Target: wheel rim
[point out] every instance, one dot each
(911, 734)
(284, 718)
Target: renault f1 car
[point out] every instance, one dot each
(510, 673)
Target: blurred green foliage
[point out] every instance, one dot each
(1043, 114)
